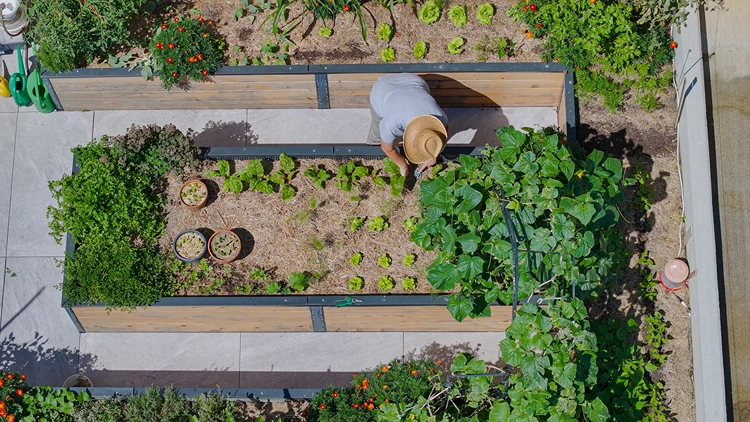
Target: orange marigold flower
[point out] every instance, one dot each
(322, 406)
(2, 405)
(355, 405)
(346, 8)
(199, 56)
(335, 394)
(2, 412)
(170, 45)
(432, 370)
(205, 35)
(11, 418)
(210, 22)
(378, 375)
(204, 72)
(200, 19)
(9, 376)
(414, 372)
(19, 392)
(180, 29)
(174, 74)
(177, 19)
(384, 368)
(164, 26)
(384, 387)
(169, 60)
(2, 382)
(440, 362)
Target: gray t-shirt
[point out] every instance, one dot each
(399, 98)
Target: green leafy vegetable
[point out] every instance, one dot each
(409, 283)
(386, 283)
(325, 32)
(485, 12)
(456, 45)
(356, 223)
(420, 50)
(273, 288)
(409, 259)
(356, 283)
(385, 32)
(299, 281)
(387, 55)
(430, 12)
(356, 259)
(378, 224)
(384, 261)
(410, 223)
(318, 175)
(457, 15)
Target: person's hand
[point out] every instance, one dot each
(404, 168)
(427, 164)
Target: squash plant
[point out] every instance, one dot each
(556, 200)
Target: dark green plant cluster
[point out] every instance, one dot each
(609, 39)
(72, 33)
(112, 209)
(254, 177)
(186, 48)
(556, 201)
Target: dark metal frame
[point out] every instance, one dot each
(230, 393)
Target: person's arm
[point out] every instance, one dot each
(393, 154)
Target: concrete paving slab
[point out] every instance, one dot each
(214, 127)
(42, 154)
(36, 334)
(471, 126)
(318, 352)
(7, 146)
(181, 359)
(445, 346)
(2, 287)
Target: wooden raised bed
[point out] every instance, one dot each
(455, 85)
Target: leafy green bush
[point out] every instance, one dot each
(555, 200)
(10, 383)
(157, 404)
(457, 15)
(456, 45)
(485, 12)
(100, 410)
(430, 12)
(387, 55)
(70, 33)
(420, 50)
(186, 48)
(212, 407)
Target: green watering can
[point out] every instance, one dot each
(18, 83)
(38, 92)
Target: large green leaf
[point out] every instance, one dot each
(500, 412)
(562, 227)
(469, 242)
(567, 167)
(582, 211)
(223, 168)
(593, 160)
(286, 162)
(497, 247)
(471, 198)
(596, 411)
(443, 277)
(526, 163)
(502, 174)
(510, 352)
(459, 306)
(615, 166)
(550, 165)
(469, 266)
(233, 184)
(468, 164)
(287, 192)
(443, 200)
(390, 167)
(421, 237)
(255, 168)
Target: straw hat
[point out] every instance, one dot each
(424, 139)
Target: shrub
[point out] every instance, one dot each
(457, 15)
(43, 404)
(430, 12)
(100, 410)
(186, 48)
(420, 50)
(10, 383)
(212, 407)
(71, 33)
(155, 404)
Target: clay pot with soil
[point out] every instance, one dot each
(194, 194)
(224, 246)
(189, 246)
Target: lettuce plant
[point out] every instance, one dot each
(456, 45)
(485, 12)
(431, 11)
(420, 50)
(457, 15)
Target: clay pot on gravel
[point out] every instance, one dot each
(224, 246)
(189, 246)
(194, 194)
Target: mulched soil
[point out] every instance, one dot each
(286, 411)
(279, 236)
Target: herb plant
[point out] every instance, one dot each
(644, 189)
(349, 174)
(273, 288)
(457, 15)
(356, 259)
(318, 175)
(420, 50)
(185, 47)
(555, 200)
(385, 32)
(356, 223)
(190, 245)
(430, 12)
(224, 245)
(485, 12)
(387, 55)
(409, 259)
(378, 224)
(386, 283)
(284, 176)
(356, 283)
(456, 45)
(193, 193)
(384, 260)
(409, 283)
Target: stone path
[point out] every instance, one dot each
(37, 336)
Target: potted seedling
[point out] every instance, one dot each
(189, 246)
(194, 194)
(224, 246)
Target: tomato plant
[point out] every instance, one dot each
(555, 199)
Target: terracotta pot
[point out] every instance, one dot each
(234, 255)
(184, 259)
(205, 198)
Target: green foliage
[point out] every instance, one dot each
(386, 283)
(113, 210)
(660, 13)
(410, 223)
(213, 407)
(609, 40)
(404, 381)
(396, 180)
(100, 410)
(409, 259)
(384, 260)
(271, 53)
(356, 259)
(485, 12)
(556, 201)
(70, 35)
(356, 283)
(456, 45)
(409, 283)
(254, 177)
(598, 85)
(325, 32)
(299, 281)
(495, 46)
(318, 175)
(644, 187)
(356, 223)
(327, 10)
(655, 336)
(378, 224)
(430, 12)
(387, 54)
(182, 52)
(385, 32)
(457, 15)
(44, 404)
(155, 403)
(349, 174)
(273, 288)
(317, 244)
(647, 284)
(420, 50)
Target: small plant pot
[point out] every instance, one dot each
(224, 246)
(194, 194)
(77, 380)
(187, 246)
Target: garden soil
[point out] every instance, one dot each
(651, 140)
(272, 411)
(309, 233)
